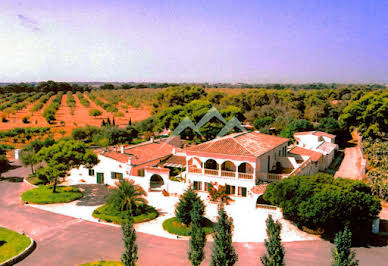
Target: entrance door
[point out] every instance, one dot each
(100, 178)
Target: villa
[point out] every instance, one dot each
(239, 161)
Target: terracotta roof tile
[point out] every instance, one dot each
(140, 154)
(245, 144)
(327, 147)
(314, 156)
(175, 161)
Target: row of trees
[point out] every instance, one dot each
(190, 210)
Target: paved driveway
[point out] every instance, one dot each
(63, 240)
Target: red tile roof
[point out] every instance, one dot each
(251, 144)
(259, 189)
(175, 161)
(316, 133)
(141, 153)
(327, 147)
(314, 156)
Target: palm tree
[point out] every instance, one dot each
(127, 196)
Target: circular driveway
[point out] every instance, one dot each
(63, 240)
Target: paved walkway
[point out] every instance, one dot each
(351, 164)
(63, 240)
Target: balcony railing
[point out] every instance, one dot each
(211, 172)
(245, 176)
(273, 177)
(195, 170)
(225, 173)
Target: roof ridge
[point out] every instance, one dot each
(243, 147)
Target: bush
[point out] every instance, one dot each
(26, 120)
(175, 227)
(322, 202)
(109, 214)
(94, 112)
(185, 205)
(45, 195)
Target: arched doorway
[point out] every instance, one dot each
(156, 182)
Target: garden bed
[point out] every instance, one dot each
(11, 244)
(45, 195)
(175, 227)
(108, 214)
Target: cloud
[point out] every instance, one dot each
(28, 23)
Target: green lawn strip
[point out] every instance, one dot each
(108, 214)
(103, 263)
(11, 244)
(44, 195)
(175, 227)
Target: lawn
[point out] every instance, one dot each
(109, 214)
(11, 244)
(103, 263)
(175, 227)
(44, 195)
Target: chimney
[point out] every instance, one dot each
(130, 161)
(173, 151)
(152, 139)
(122, 148)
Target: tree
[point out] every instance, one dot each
(129, 257)
(62, 156)
(4, 164)
(295, 126)
(29, 158)
(185, 206)
(342, 254)
(273, 245)
(197, 236)
(223, 253)
(322, 203)
(127, 196)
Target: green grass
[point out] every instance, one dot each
(109, 214)
(44, 195)
(103, 263)
(35, 180)
(11, 244)
(175, 227)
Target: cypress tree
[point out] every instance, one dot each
(108, 121)
(273, 244)
(223, 253)
(103, 123)
(129, 257)
(113, 121)
(130, 122)
(185, 205)
(197, 236)
(342, 254)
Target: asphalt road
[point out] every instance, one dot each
(63, 240)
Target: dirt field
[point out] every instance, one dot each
(77, 118)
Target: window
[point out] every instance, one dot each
(115, 175)
(140, 172)
(197, 185)
(242, 191)
(91, 172)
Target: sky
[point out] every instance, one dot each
(258, 41)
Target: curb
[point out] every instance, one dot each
(25, 181)
(19, 257)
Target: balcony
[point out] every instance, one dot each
(222, 173)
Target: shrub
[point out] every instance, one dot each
(185, 206)
(94, 112)
(322, 202)
(174, 226)
(26, 119)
